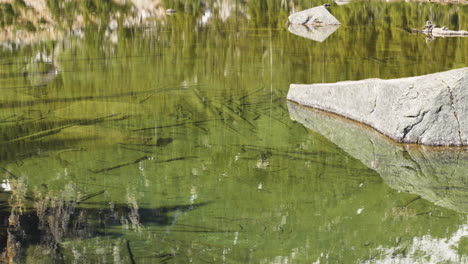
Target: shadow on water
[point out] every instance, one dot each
(48, 222)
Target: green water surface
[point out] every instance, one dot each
(173, 143)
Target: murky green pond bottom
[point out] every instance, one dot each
(175, 144)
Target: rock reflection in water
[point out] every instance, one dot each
(436, 174)
(48, 220)
(315, 33)
(440, 250)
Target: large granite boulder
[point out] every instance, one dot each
(314, 16)
(428, 110)
(436, 174)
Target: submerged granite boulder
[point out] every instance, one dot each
(428, 109)
(436, 174)
(314, 16)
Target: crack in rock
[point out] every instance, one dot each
(452, 104)
(375, 102)
(408, 129)
(422, 134)
(413, 116)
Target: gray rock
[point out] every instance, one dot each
(436, 174)
(428, 110)
(316, 33)
(314, 16)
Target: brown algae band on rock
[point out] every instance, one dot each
(428, 110)
(314, 16)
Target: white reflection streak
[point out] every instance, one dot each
(236, 236)
(288, 259)
(438, 250)
(193, 195)
(206, 17)
(6, 185)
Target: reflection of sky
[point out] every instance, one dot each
(6, 185)
(437, 250)
(206, 16)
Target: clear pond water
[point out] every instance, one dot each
(171, 141)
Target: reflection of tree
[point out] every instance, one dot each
(53, 19)
(47, 219)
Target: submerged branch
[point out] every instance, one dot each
(8, 104)
(180, 124)
(56, 130)
(130, 254)
(121, 165)
(89, 196)
(413, 200)
(8, 172)
(138, 160)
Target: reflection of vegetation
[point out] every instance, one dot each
(189, 6)
(52, 220)
(92, 11)
(13, 14)
(78, 15)
(29, 26)
(8, 15)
